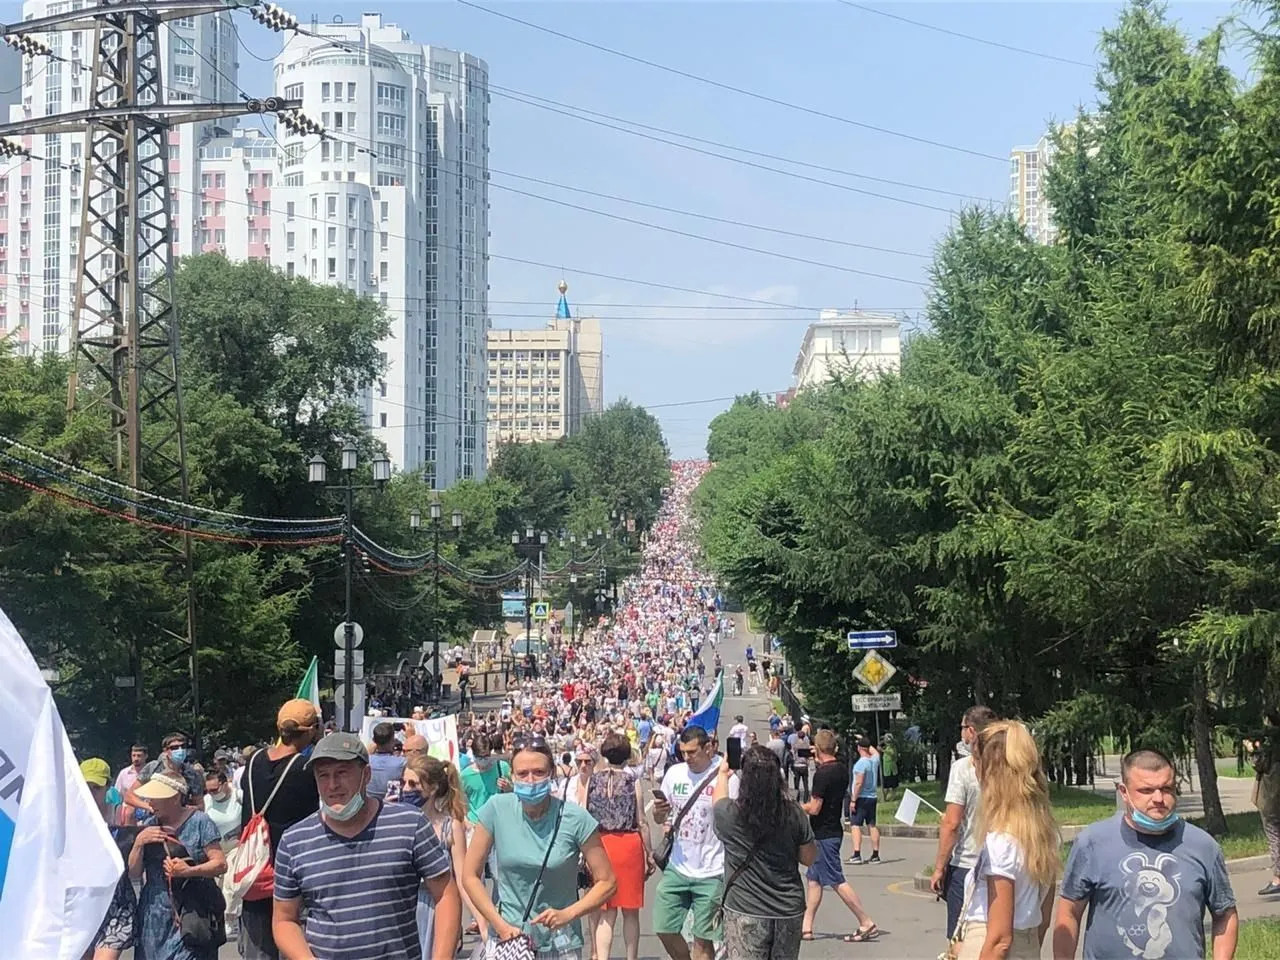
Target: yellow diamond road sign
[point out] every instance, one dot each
(874, 671)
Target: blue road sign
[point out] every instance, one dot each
(872, 639)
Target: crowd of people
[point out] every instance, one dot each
(539, 838)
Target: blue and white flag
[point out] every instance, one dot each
(58, 863)
(708, 715)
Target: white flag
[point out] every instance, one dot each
(908, 808)
(58, 863)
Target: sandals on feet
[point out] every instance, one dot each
(863, 934)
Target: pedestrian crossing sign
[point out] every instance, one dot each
(541, 611)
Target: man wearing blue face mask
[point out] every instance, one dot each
(172, 761)
(356, 866)
(1147, 877)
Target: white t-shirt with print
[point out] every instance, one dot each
(1002, 857)
(698, 853)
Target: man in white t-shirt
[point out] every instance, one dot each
(739, 730)
(958, 843)
(692, 879)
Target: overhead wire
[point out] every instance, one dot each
(966, 36)
(732, 88)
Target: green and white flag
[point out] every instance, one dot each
(309, 688)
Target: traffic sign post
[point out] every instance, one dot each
(872, 639)
(541, 610)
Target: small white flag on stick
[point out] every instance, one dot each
(909, 808)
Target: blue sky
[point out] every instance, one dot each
(667, 347)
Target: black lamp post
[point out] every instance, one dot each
(415, 524)
(317, 473)
(529, 548)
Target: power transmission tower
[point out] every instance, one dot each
(124, 326)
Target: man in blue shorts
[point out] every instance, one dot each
(865, 793)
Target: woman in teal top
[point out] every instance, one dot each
(520, 826)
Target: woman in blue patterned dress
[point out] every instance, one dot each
(156, 934)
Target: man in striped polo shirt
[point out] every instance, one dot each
(356, 866)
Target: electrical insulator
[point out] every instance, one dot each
(298, 122)
(274, 16)
(27, 44)
(12, 148)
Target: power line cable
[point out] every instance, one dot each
(716, 240)
(595, 117)
(966, 36)
(702, 216)
(719, 84)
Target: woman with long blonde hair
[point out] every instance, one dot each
(1009, 893)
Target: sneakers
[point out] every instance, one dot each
(855, 860)
(875, 857)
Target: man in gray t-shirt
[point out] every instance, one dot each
(1146, 877)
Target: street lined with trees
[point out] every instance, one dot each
(1066, 502)
(269, 364)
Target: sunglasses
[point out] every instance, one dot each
(529, 742)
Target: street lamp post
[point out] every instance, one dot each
(317, 473)
(529, 547)
(415, 522)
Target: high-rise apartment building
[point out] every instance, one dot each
(1027, 199)
(393, 204)
(41, 197)
(844, 342)
(545, 383)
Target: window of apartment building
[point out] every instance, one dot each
(188, 22)
(219, 181)
(382, 419)
(351, 237)
(382, 270)
(266, 178)
(324, 149)
(206, 208)
(289, 241)
(382, 240)
(220, 236)
(333, 268)
(264, 207)
(288, 268)
(325, 94)
(331, 236)
(390, 125)
(204, 238)
(253, 235)
(293, 91)
(183, 46)
(184, 73)
(219, 208)
(390, 95)
(351, 94)
(352, 208)
(351, 269)
(314, 238)
(288, 209)
(382, 299)
(330, 205)
(382, 210)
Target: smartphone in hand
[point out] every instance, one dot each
(734, 754)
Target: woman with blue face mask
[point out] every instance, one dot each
(526, 827)
(433, 787)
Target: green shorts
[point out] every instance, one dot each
(677, 896)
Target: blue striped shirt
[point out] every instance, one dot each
(361, 892)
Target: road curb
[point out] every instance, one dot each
(922, 881)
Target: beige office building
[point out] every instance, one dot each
(544, 383)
